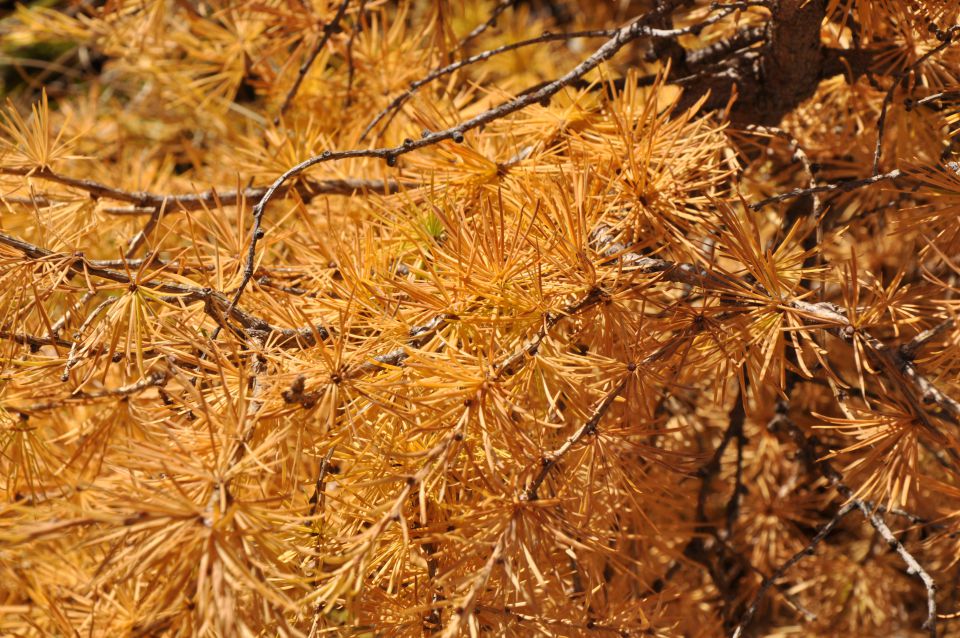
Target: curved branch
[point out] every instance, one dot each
(626, 34)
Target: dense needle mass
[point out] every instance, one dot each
(514, 317)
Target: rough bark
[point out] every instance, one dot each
(771, 81)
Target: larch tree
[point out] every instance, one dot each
(481, 318)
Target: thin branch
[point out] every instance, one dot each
(151, 259)
(780, 571)
(798, 155)
(589, 427)
(871, 513)
(255, 402)
(908, 351)
(782, 589)
(901, 371)
(145, 203)
(898, 368)
(401, 99)
(491, 21)
(696, 548)
(518, 616)
(215, 303)
(78, 335)
(464, 610)
(419, 335)
(152, 380)
(733, 504)
(947, 38)
(913, 567)
(351, 70)
(328, 30)
(439, 453)
(35, 342)
(836, 187)
(746, 37)
(318, 503)
(507, 366)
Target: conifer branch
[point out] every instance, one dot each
(328, 30)
(215, 303)
(146, 203)
(946, 38)
(870, 512)
(152, 380)
(464, 610)
(502, 6)
(626, 34)
(589, 428)
(836, 187)
(397, 102)
(899, 369)
(615, 268)
(437, 455)
(908, 351)
(809, 550)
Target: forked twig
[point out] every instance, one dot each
(870, 513)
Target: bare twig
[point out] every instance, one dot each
(318, 502)
(748, 36)
(502, 6)
(328, 30)
(871, 513)
(733, 503)
(145, 203)
(836, 187)
(913, 567)
(908, 351)
(798, 155)
(351, 70)
(696, 547)
(35, 342)
(401, 99)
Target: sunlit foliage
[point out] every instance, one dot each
(603, 365)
